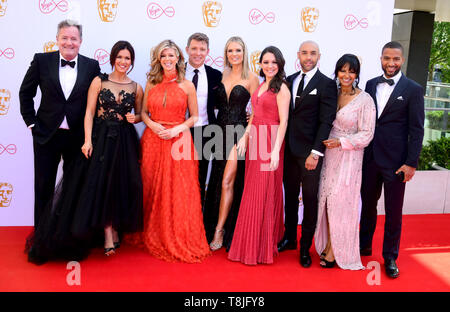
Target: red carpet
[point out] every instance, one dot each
(424, 264)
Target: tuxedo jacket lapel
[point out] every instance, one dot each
(398, 90)
(373, 93)
(81, 74)
(54, 70)
(309, 87)
(293, 95)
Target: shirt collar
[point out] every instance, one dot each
(396, 78)
(190, 68)
(311, 73)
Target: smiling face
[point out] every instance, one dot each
(197, 51)
(269, 65)
(308, 56)
(235, 53)
(346, 76)
(122, 62)
(69, 41)
(168, 59)
(391, 61)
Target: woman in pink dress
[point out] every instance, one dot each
(260, 220)
(337, 231)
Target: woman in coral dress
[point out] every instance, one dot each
(259, 226)
(337, 231)
(173, 220)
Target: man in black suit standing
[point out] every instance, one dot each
(392, 156)
(312, 112)
(205, 79)
(63, 77)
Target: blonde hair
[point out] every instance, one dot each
(155, 75)
(245, 63)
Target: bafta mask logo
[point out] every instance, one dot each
(310, 19)
(3, 5)
(107, 9)
(6, 191)
(254, 61)
(211, 13)
(50, 46)
(5, 100)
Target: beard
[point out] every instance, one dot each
(390, 76)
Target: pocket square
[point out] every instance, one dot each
(400, 98)
(313, 92)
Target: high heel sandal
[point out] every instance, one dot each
(327, 264)
(116, 245)
(110, 251)
(215, 245)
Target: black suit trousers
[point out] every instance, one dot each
(203, 161)
(373, 178)
(295, 174)
(47, 156)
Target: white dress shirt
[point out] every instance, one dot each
(67, 79)
(202, 93)
(384, 91)
(296, 84)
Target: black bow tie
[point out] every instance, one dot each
(390, 82)
(70, 63)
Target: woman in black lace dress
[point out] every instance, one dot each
(101, 191)
(226, 181)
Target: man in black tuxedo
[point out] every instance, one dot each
(57, 128)
(392, 156)
(312, 112)
(206, 79)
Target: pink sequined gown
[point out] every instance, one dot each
(339, 192)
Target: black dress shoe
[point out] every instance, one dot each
(305, 259)
(287, 244)
(391, 268)
(365, 251)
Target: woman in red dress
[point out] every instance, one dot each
(173, 221)
(260, 220)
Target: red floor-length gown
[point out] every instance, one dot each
(260, 221)
(173, 221)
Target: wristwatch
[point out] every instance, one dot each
(315, 156)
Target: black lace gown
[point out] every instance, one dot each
(232, 112)
(94, 193)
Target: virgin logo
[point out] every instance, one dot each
(8, 53)
(101, 56)
(210, 61)
(256, 16)
(48, 6)
(10, 149)
(154, 11)
(351, 22)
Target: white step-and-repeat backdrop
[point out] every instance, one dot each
(360, 27)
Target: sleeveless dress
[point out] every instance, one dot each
(232, 120)
(259, 226)
(173, 227)
(340, 182)
(94, 193)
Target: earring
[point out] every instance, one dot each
(338, 83)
